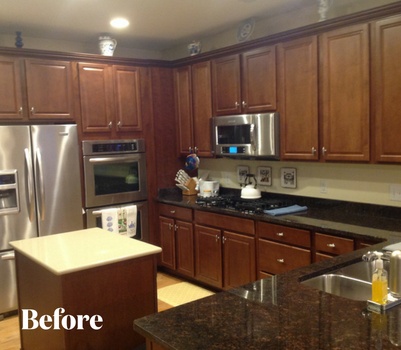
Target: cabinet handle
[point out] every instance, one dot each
(20, 110)
(244, 104)
(170, 226)
(190, 150)
(236, 104)
(313, 150)
(280, 234)
(324, 150)
(119, 124)
(172, 211)
(110, 125)
(331, 245)
(175, 227)
(196, 150)
(32, 110)
(281, 261)
(217, 238)
(223, 239)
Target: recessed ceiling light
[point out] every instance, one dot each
(119, 23)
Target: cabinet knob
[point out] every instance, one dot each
(170, 226)
(331, 245)
(281, 261)
(196, 150)
(223, 239)
(324, 150)
(119, 124)
(217, 238)
(175, 227)
(20, 110)
(280, 234)
(32, 110)
(313, 150)
(244, 104)
(110, 125)
(236, 104)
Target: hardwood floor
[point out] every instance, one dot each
(9, 327)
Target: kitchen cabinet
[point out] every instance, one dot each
(297, 66)
(345, 94)
(328, 246)
(386, 89)
(281, 248)
(193, 101)
(36, 89)
(110, 98)
(224, 256)
(176, 239)
(245, 83)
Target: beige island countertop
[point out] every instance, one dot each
(79, 250)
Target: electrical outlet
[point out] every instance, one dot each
(395, 192)
(323, 186)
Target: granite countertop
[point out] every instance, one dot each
(331, 216)
(83, 249)
(276, 313)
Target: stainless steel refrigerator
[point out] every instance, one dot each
(40, 191)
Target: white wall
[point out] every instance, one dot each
(363, 183)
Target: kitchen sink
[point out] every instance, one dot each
(351, 282)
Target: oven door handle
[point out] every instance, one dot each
(113, 159)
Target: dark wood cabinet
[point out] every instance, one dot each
(193, 101)
(36, 89)
(224, 250)
(110, 98)
(177, 239)
(386, 89)
(328, 246)
(345, 94)
(297, 66)
(245, 83)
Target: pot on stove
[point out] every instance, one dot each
(250, 191)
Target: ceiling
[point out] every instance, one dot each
(154, 24)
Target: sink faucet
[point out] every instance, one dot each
(371, 256)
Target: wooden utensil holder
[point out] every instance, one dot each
(191, 184)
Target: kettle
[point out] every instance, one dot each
(250, 191)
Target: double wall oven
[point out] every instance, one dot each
(115, 177)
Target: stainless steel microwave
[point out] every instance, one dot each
(247, 136)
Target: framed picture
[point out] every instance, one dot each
(264, 175)
(242, 170)
(289, 177)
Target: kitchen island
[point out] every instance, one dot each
(86, 272)
(275, 313)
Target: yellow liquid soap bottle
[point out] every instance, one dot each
(379, 282)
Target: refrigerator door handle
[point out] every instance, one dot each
(39, 172)
(8, 256)
(28, 162)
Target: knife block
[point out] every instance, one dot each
(191, 184)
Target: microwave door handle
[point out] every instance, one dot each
(253, 137)
(29, 183)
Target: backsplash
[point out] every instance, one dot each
(362, 183)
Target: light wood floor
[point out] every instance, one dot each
(9, 328)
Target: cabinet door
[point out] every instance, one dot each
(208, 256)
(49, 89)
(185, 248)
(167, 242)
(202, 108)
(11, 103)
(95, 87)
(183, 108)
(259, 80)
(386, 89)
(127, 95)
(226, 82)
(298, 98)
(344, 69)
(239, 259)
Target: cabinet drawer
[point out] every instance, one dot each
(230, 223)
(278, 258)
(173, 211)
(332, 244)
(284, 234)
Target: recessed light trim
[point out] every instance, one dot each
(119, 23)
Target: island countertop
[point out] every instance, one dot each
(83, 249)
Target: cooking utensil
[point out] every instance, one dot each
(250, 191)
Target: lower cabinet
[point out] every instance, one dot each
(328, 246)
(224, 259)
(281, 248)
(176, 239)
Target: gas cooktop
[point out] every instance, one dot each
(245, 206)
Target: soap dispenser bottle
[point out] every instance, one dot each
(379, 282)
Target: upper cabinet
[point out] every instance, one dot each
(245, 83)
(193, 102)
(110, 98)
(345, 93)
(386, 89)
(297, 63)
(36, 89)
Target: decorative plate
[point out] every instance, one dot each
(245, 30)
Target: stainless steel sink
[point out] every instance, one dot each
(351, 282)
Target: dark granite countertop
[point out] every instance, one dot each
(331, 216)
(279, 312)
